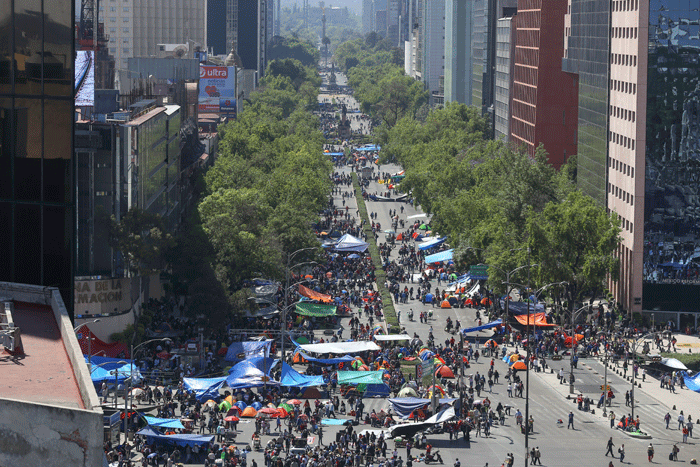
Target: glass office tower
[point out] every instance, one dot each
(587, 47)
(36, 145)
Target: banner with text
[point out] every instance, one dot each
(217, 90)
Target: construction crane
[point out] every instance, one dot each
(89, 24)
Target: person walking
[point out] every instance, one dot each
(681, 420)
(538, 456)
(667, 419)
(610, 448)
(621, 450)
(650, 452)
(571, 421)
(612, 419)
(674, 452)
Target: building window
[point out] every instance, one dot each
(112, 19)
(126, 9)
(126, 30)
(125, 50)
(126, 19)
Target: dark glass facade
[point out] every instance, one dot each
(672, 188)
(216, 27)
(479, 52)
(36, 143)
(588, 52)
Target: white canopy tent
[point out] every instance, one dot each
(340, 347)
(393, 337)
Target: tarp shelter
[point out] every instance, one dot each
(90, 342)
(244, 350)
(246, 374)
(692, 382)
(416, 216)
(111, 368)
(536, 319)
(327, 361)
(360, 377)
(444, 415)
(439, 257)
(315, 310)
(426, 245)
(405, 405)
(173, 423)
(340, 347)
(519, 308)
(313, 295)
(349, 243)
(392, 337)
(291, 377)
(674, 363)
(204, 388)
(492, 324)
(375, 390)
(311, 393)
(179, 440)
(369, 148)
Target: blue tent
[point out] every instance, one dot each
(290, 377)
(154, 436)
(108, 367)
(431, 243)
(377, 390)
(692, 382)
(174, 423)
(261, 363)
(244, 350)
(246, 374)
(492, 324)
(439, 257)
(204, 388)
(327, 361)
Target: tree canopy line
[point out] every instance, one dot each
(501, 207)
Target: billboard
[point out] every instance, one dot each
(84, 78)
(217, 90)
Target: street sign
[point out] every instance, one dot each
(479, 270)
(427, 369)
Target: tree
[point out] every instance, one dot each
(575, 240)
(142, 239)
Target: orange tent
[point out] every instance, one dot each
(249, 412)
(536, 319)
(445, 304)
(444, 372)
(313, 295)
(519, 365)
(298, 358)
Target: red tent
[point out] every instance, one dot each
(100, 347)
(444, 372)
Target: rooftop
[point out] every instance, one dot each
(44, 373)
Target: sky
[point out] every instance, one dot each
(354, 6)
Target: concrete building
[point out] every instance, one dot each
(36, 136)
(544, 106)
(432, 30)
(651, 128)
(367, 16)
(136, 27)
(393, 21)
(51, 414)
(458, 63)
(505, 50)
(413, 63)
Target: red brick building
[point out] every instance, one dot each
(544, 107)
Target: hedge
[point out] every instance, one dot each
(389, 312)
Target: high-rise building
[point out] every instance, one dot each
(247, 26)
(433, 44)
(413, 65)
(37, 241)
(544, 104)
(367, 16)
(216, 27)
(137, 27)
(586, 49)
(458, 63)
(651, 124)
(505, 50)
(393, 18)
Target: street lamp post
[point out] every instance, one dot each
(75, 329)
(290, 256)
(574, 315)
(634, 359)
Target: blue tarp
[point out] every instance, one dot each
(246, 374)
(263, 364)
(492, 324)
(291, 377)
(369, 148)
(520, 308)
(377, 390)
(692, 382)
(432, 243)
(179, 440)
(438, 257)
(174, 423)
(333, 421)
(244, 350)
(405, 405)
(109, 365)
(204, 388)
(328, 361)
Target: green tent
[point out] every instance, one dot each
(360, 377)
(316, 310)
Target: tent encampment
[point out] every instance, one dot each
(340, 347)
(349, 243)
(291, 377)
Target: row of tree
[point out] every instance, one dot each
(503, 208)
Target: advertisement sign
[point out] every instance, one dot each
(84, 78)
(217, 90)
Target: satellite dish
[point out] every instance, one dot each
(180, 51)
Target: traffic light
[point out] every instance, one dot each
(604, 387)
